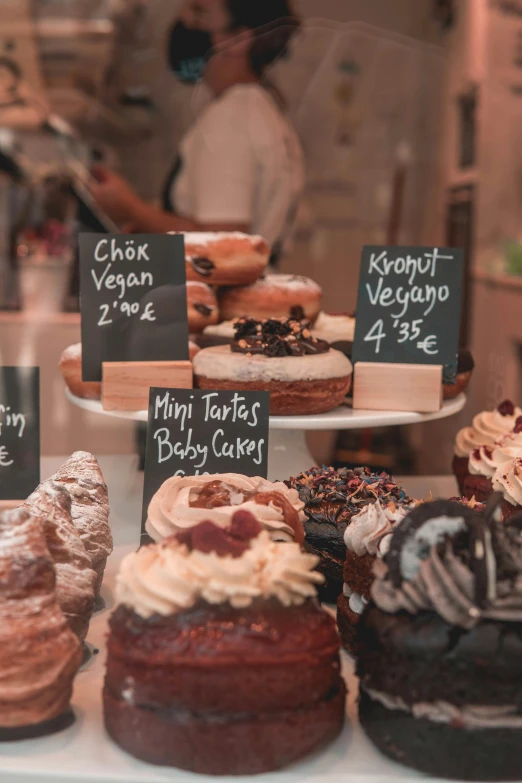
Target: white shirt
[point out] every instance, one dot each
(241, 163)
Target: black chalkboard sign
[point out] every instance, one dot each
(409, 305)
(192, 432)
(133, 300)
(19, 432)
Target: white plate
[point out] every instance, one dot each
(343, 418)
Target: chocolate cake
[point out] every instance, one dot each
(367, 538)
(220, 660)
(440, 646)
(332, 497)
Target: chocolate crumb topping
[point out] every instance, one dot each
(203, 266)
(276, 337)
(203, 309)
(334, 496)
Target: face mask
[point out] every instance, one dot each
(188, 51)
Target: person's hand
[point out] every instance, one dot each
(115, 196)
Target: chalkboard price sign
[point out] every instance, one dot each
(195, 432)
(133, 300)
(19, 432)
(409, 305)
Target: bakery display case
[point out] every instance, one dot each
(260, 449)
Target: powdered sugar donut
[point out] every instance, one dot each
(273, 296)
(225, 258)
(202, 306)
(71, 369)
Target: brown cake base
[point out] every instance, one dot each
(243, 744)
(218, 690)
(460, 466)
(509, 511)
(289, 398)
(452, 390)
(479, 487)
(347, 624)
(53, 726)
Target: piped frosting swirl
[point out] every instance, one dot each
(448, 559)
(173, 576)
(185, 501)
(487, 427)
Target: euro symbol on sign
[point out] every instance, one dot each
(429, 345)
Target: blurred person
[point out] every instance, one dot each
(240, 166)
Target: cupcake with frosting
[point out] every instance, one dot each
(367, 537)
(184, 501)
(220, 659)
(486, 429)
(486, 463)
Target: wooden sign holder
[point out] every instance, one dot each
(126, 385)
(8, 505)
(398, 387)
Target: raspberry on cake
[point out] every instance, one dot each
(439, 646)
(184, 501)
(332, 498)
(220, 660)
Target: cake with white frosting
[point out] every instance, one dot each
(220, 659)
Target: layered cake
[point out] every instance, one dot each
(487, 427)
(332, 498)
(220, 660)
(39, 653)
(185, 501)
(303, 375)
(440, 646)
(75, 578)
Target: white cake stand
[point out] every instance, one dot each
(288, 451)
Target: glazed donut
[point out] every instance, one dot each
(202, 307)
(465, 367)
(225, 258)
(193, 349)
(71, 369)
(273, 296)
(303, 375)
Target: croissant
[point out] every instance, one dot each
(39, 654)
(75, 579)
(82, 478)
